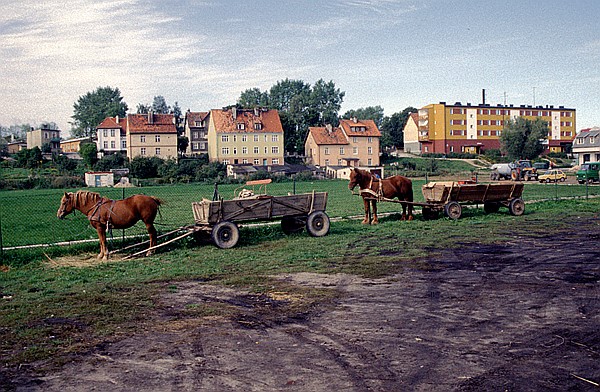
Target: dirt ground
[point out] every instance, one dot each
(522, 316)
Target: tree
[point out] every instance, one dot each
(89, 154)
(392, 128)
(30, 158)
(92, 108)
(159, 105)
(252, 98)
(110, 161)
(182, 144)
(142, 108)
(523, 138)
(325, 103)
(143, 167)
(374, 113)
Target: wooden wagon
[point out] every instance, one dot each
(449, 196)
(220, 217)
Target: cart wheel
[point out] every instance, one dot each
(317, 224)
(225, 234)
(453, 210)
(516, 206)
(293, 224)
(491, 206)
(429, 213)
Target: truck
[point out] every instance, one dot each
(517, 171)
(588, 172)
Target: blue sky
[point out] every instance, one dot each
(393, 53)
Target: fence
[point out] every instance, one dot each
(28, 218)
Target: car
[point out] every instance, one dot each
(553, 175)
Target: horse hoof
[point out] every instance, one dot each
(411, 218)
(100, 256)
(149, 253)
(375, 222)
(365, 222)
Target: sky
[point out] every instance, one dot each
(203, 53)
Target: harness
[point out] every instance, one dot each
(378, 194)
(96, 216)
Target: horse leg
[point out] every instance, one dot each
(367, 219)
(410, 212)
(102, 237)
(152, 235)
(375, 220)
(403, 212)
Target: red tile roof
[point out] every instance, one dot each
(323, 136)
(111, 123)
(192, 117)
(352, 128)
(161, 123)
(225, 123)
(415, 117)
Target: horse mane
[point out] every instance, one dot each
(83, 197)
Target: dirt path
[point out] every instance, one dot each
(523, 316)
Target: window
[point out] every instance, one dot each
(326, 150)
(355, 150)
(274, 150)
(112, 132)
(244, 161)
(226, 161)
(157, 138)
(258, 126)
(194, 146)
(256, 138)
(256, 161)
(224, 150)
(244, 138)
(369, 162)
(143, 151)
(203, 146)
(370, 140)
(104, 133)
(241, 126)
(341, 150)
(143, 139)
(157, 151)
(326, 162)
(234, 151)
(224, 138)
(275, 161)
(592, 139)
(275, 138)
(234, 137)
(112, 144)
(266, 150)
(340, 162)
(195, 135)
(354, 139)
(105, 144)
(124, 144)
(244, 150)
(256, 150)
(370, 150)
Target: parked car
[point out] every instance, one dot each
(553, 175)
(588, 172)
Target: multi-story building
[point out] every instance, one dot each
(196, 130)
(411, 134)
(587, 145)
(354, 143)
(145, 135)
(40, 137)
(470, 128)
(112, 136)
(150, 135)
(245, 136)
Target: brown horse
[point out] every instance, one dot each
(373, 189)
(104, 213)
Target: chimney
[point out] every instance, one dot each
(329, 128)
(257, 112)
(483, 96)
(234, 113)
(355, 120)
(150, 117)
(117, 119)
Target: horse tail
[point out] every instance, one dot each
(158, 201)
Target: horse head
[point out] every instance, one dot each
(66, 205)
(358, 177)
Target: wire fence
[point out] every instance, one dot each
(28, 218)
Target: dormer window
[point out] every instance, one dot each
(258, 126)
(241, 126)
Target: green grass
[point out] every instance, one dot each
(48, 311)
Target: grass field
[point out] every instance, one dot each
(29, 217)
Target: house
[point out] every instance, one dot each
(196, 130)
(587, 145)
(354, 143)
(245, 136)
(71, 147)
(111, 136)
(145, 135)
(460, 128)
(411, 134)
(15, 147)
(44, 136)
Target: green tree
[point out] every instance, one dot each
(89, 154)
(374, 113)
(325, 103)
(64, 164)
(523, 138)
(182, 144)
(252, 98)
(143, 167)
(142, 108)
(159, 105)
(111, 161)
(392, 128)
(30, 158)
(92, 108)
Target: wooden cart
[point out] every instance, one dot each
(220, 217)
(449, 196)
